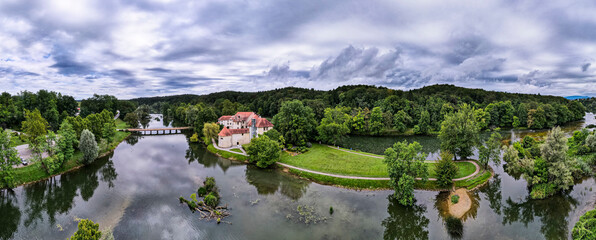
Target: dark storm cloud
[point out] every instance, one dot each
(5, 71)
(187, 82)
(158, 69)
(67, 65)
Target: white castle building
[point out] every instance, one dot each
(241, 128)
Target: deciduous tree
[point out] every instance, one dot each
(446, 169)
(88, 146)
(295, 122)
(459, 132)
(263, 151)
(8, 158)
(405, 162)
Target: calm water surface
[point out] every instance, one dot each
(134, 193)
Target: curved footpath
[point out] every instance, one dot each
(372, 178)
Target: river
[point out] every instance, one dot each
(134, 193)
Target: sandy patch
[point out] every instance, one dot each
(462, 206)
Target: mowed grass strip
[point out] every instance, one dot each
(330, 160)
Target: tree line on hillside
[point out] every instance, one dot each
(589, 103)
(419, 111)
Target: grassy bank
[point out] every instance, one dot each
(469, 184)
(226, 154)
(331, 160)
(35, 171)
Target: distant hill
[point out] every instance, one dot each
(576, 97)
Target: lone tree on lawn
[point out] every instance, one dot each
(446, 169)
(88, 146)
(459, 132)
(405, 162)
(263, 151)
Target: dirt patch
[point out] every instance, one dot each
(462, 206)
(292, 153)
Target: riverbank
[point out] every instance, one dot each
(327, 159)
(359, 170)
(35, 172)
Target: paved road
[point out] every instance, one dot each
(372, 178)
(26, 153)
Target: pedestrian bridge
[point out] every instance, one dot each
(172, 130)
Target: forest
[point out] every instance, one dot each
(382, 111)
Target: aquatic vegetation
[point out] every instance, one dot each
(209, 207)
(306, 214)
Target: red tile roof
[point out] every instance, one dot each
(223, 118)
(242, 116)
(263, 122)
(225, 132)
(229, 132)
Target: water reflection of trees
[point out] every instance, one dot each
(133, 139)
(108, 173)
(268, 181)
(553, 213)
(405, 222)
(11, 215)
(493, 193)
(57, 195)
(197, 152)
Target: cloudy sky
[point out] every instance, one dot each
(166, 47)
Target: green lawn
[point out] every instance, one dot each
(226, 154)
(330, 160)
(121, 124)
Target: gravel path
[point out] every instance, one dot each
(371, 178)
(229, 149)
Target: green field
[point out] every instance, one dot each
(330, 160)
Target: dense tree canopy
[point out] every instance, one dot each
(335, 125)
(424, 108)
(295, 122)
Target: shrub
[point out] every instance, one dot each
(194, 138)
(202, 191)
(87, 230)
(455, 199)
(330, 210)
(308, 145)
(211, 200)
(585, 228)
(209, 184)
(542, 191)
